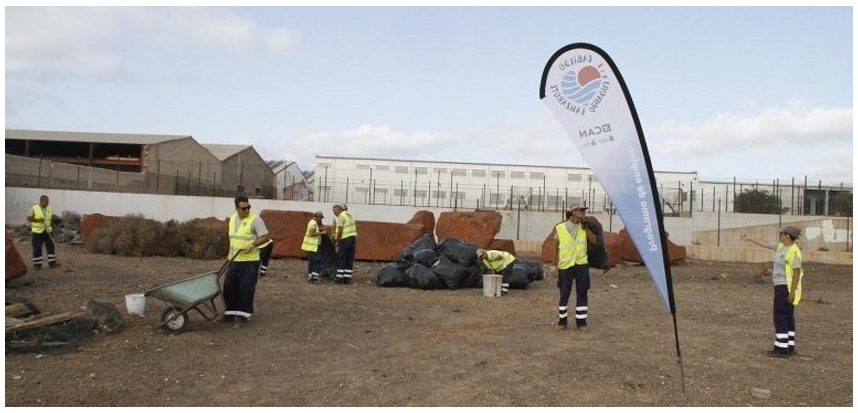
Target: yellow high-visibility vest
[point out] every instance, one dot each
(239, 239)
(40, 227)
(792, 252)
(349, 226)
(571, 250)
(311, 242)
(495, 264)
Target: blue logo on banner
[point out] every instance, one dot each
(581, 86)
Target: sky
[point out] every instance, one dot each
(756, 93)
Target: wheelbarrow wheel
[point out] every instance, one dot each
(174, 320)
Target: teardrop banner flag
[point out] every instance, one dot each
(585, 91)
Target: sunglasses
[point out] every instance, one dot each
(247, 208)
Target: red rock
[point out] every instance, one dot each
(91, 223)
(503, 245)
(15, 266)
(549, 249)
(425, 218)
(612, 244)
(287, 229)
(384, 241)
(477, 228)
(676, 253)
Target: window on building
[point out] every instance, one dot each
(400, 169)
(459, 172)
(516, 175)
(421, 170)
(361, 189)
(574, 177)
(498, 174)
(537, 175)
(478, 173)
(400, 192)
(459, 195)
(420, 193)
(323, 165)
(496, 198)
(382, 168)
(439, 170)
(362, 167)
(258, 191)
(441, 194)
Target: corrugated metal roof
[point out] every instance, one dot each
(94, 137)
(224, 152)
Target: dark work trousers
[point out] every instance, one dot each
(784, 318)
(313, 265)
(346, 258)
(239, 286)
(580, 275)
(38, 240)
(264, 257)
(507, 273)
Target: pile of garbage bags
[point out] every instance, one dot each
(448, 265)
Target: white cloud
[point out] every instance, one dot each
(66, 41)
(831, 166)
(379, 141)
(796, 123)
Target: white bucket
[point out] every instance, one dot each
(492, 285)
(135, 304)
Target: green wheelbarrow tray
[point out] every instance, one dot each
(189, 294)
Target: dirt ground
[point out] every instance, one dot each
(359, 345)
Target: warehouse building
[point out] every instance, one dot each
(243, 168)
(121, 162)
(472, 185)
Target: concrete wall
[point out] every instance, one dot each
(530, 229)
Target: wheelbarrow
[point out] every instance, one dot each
(193, 293)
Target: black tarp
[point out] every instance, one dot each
(390, 275)
(423, 278)
(458, 252)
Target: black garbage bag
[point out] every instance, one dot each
(401, 264)
(327, 257)
(426, 241)
(534, 270)
(422, 278)
(597, 255)
(425, 256)
(454, 275)
(458, 252)
(476, 274)
(518, 277)
(390, 275)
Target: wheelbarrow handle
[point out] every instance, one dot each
(223, 267)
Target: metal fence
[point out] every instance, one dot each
(677, 198)
(37, 173)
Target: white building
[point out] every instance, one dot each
(470, 184)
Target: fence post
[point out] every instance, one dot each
(39, 179)
(347, 190)
(78, 177)
(518, 222)
(718, 242)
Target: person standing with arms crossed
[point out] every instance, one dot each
(246, 233)
(345, 240)
(572, 265)
(786, 276)
(40, 219)
(312, 240)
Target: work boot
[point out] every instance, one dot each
(563, 323)
(582, 326)
(777, 354)
(53, 264)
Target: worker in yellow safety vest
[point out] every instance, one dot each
(786, 276)
(572, 265)
(40, 219)
(246, 233)
(499, 262)
(312, 240)
(345, 242)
